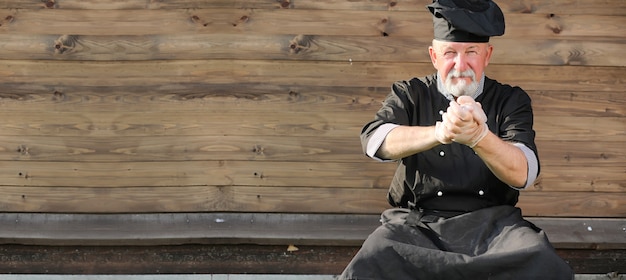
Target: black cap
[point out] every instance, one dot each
(466, 20)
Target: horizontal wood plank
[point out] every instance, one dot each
(573, 204)
(361, 173)
(188, 173)
(260, 148)
(100, 127)
(244, 261)
(192, 199)
(297, 47)
(272, 21)
(553, 178)
(609, 7)
(582, 178)
(257, 228)
(292, 73)
(264, 98)
(558, 153)
(186, 148)
(272, 199)
(578, 103)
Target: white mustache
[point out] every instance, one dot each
(465, 74)
(461, 87)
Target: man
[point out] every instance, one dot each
(465, 147)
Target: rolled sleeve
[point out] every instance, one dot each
(533, 164)
(376, 140)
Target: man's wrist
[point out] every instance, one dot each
(484, 131)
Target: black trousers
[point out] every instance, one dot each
(490, 243)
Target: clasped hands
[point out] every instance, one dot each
(464, 122)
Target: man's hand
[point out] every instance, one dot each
(464, 123)
(441, 133)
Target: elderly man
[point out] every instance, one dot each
(465, 147)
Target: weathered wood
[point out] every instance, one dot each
(264, 97)
(225, 259)
(318, 199)
(358, 173)
(297, 47)
(210, 21)
(60, 243)
(578, 103)
(292, 73)
(197, 259)
(257, 228)
(193, 199)
(321, 124)
(573, 204)
(553, 153)
(188, 173)
(189, 148)
(254, 107)
(202, 97)
(187, 228)
(272, 21)
(579, 178)
(608, 7)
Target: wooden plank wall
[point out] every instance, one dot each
(138, 106)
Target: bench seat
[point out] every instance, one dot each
(264, 242)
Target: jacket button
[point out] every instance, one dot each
(481, 192)
(439, 193)
(442, 153)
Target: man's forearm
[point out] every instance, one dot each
(404, 141)
(505, 160)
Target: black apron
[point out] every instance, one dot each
(491, 243)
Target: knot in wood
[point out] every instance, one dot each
(383, 26)
(50, 4)
(299, 43)
(58, 96)
(242, 19)
(553, 24)
(7, 19)
(285, 4)
(23, 150)
(257, 149)
(293, 95)
(65, 43)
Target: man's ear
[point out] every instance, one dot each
(433, 56)
(489, 52)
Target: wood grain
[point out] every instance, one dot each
(272, 199)
(138, 106)
(282, 21)
(291, 73)
(608, 7)
(297, 47)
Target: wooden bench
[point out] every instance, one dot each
(277, 243)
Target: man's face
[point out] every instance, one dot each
(460, 65)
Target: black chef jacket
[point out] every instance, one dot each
(437, 177)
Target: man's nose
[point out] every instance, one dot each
(460, 62)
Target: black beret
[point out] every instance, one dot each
(466, 20)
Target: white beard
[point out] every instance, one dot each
(462, 87)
